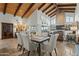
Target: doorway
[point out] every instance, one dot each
(7, 30)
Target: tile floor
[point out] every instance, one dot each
(8, 47)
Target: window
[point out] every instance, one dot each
(53, 23)
(45, 23)
(53, 20)
(69, 19)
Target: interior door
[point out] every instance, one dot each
(7, 30)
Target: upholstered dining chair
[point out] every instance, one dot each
(45, 34)
(19, 41)
(52, 44)
(27, 44)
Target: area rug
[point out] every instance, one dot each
(7, 52)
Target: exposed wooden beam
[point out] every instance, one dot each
(23, 8)
(55, 6)
(5, 7)
(28, 9)
(44, 6)
(56, 9)
(41, 6)
(52, 12)
(17, 9)
(48, 7)
(53, 15)
(55, 12)
(62, 5)
(70, 11)
(67, 8)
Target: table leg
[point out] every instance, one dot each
(39, 50)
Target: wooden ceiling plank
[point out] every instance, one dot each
(48, 7)
(17, 9)
(28, 9)
(23, 8)
(35, 6)
(11, 8)
(5, 7)
(2, 7)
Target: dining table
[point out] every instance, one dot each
(40, 40)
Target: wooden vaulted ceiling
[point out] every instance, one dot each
(26, 9)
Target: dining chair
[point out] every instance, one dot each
(19, 41)
(45, 34)
(27, 44)
(52, 44)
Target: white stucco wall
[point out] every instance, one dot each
(8, 18)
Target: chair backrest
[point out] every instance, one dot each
(19, 39)
(55, 40)
(25, 39)
(44, 34)
(73, 36)
(52, 42)
(23, 32)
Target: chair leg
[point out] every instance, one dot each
(17, 46)
(37, 49)
(50, 54)
(55, 51)
(23, 50)
(28, 53)
(20, 47)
